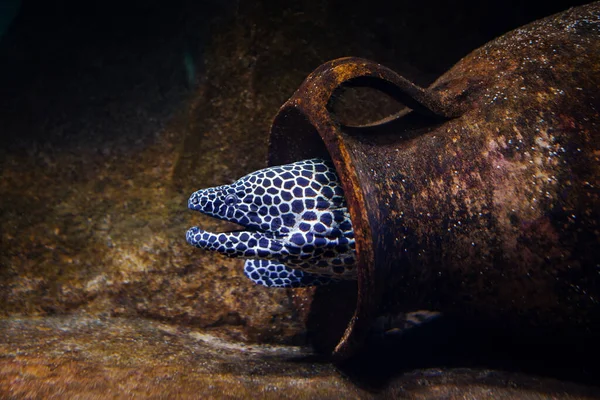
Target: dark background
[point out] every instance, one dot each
(64, 58)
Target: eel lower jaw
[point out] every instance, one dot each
(210, 240)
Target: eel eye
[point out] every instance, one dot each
(231, 199)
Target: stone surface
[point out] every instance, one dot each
(85, 357)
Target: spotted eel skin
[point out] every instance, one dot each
(297, 229)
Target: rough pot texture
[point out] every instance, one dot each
(482, 202)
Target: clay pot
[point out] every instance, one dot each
(481, 201)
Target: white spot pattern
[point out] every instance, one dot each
(299, 231)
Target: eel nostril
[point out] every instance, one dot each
(231, 200)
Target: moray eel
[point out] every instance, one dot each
(297, 229)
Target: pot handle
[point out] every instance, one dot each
(352, 71)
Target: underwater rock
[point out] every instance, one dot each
(83, 356)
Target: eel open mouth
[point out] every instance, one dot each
(249, 241)
(242, 243)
